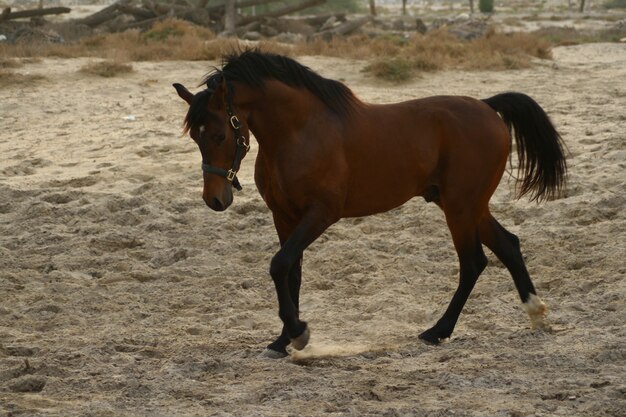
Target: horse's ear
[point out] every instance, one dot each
(183, 93)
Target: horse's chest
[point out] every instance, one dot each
(290, 186)
(273, 192)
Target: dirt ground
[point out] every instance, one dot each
(122, 294)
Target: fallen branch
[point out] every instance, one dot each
(281, 12)
(350, 26)
(344, 29)
(9, 15)
(319, 20)
(142, 24)
(103, 15)
(238, 5)
(139, 12)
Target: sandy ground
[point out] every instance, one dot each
(122, 294)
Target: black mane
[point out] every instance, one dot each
(253, 67)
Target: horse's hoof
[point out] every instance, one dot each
(431, 337)
(272, 354)
(301, 341)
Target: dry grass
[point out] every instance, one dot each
(10, 63)
(11, 78)
(563, 36)
(107, 69)
(397, 58)
(167, 40)
(395, 70)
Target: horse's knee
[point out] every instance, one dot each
(280, 265)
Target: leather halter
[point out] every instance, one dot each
(241, 143)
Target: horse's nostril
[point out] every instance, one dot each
(216, 205)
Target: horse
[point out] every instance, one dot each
(325, 155)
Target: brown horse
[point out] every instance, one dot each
(324, 155)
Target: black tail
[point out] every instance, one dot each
(539, 146)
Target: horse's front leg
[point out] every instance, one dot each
(309, 228)
(278, 348)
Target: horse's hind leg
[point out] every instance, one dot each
(506, 247)
(464, 228)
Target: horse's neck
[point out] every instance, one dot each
(278, 112)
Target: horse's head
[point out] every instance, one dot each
(223, 139)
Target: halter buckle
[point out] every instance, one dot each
(241, 142)
(235, 122)
(230, 175)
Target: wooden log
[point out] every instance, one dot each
(282, 11)
(32, 13)
(286, 25)
(240, 4)
(319, 20)
(195, 15)
(142, 24)
(103, 15)
(5, 13)
(140, 13)
(161, 9)
(344, 29)
(350, 26)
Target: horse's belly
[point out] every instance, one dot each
(384, 180)
(378, 198)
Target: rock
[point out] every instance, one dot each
(398, 25)
(268, 31)
(252, 36)
(289, 38)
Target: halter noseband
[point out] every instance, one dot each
(241, 143)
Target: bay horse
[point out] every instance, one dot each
(325, 155)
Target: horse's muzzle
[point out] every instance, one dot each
(215, 203)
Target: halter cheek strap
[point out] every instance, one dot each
(242, 143)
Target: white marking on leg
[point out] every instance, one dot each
(537, 311)
(301, 341)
